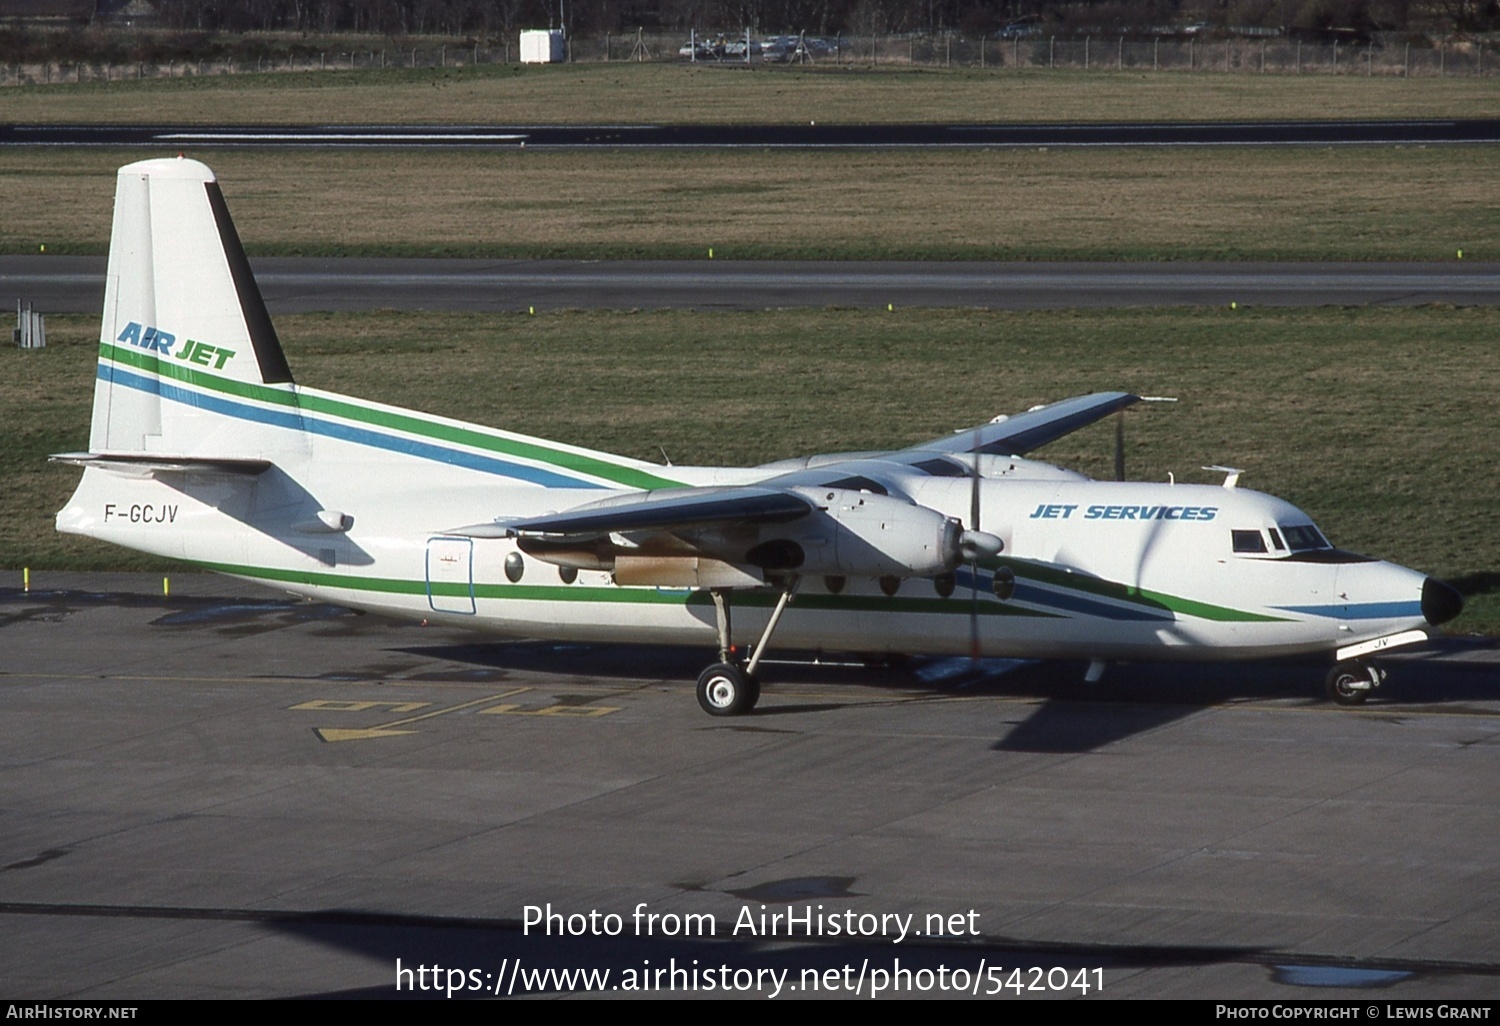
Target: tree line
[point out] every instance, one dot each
(207, 28)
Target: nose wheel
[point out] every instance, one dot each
(1352, 681)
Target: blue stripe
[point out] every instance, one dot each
(1362, 611)
(1071, 602)
(343, 432)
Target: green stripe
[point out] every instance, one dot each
(1136, 596)
(574, 593)
(408, 422)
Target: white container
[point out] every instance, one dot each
(543, 46)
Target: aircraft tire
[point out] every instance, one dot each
(727, 690)
(1348, 683)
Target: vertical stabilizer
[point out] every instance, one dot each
(183, 318)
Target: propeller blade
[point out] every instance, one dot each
(1120, 446)
(970, 543)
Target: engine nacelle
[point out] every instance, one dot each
(859, 534)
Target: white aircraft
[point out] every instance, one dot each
(204, 449)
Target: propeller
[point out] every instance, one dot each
(968, 547)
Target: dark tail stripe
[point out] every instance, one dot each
(274, 369)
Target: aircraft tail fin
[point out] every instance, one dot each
(181, 309)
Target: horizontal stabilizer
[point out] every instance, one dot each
(147, 465)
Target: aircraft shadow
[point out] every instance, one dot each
(1067, 715)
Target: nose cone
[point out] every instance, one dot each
(1440, 603)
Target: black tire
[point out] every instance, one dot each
(1348, 684)
(727, 690)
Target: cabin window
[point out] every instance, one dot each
(515, 566)
(944, 584)
(1248, 541)
(1003, 584)
(567, 574)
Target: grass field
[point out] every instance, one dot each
(1344, 203)
(1378, 422)
(623, 93)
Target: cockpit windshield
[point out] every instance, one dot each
(1302, 537)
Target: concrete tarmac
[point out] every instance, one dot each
(222, 792)
(70, 284)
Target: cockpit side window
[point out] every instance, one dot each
(1248, 541)
(1276, 542)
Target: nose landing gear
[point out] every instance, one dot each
(726, 688)
(1351, 681)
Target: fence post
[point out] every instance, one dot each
(981, 51)
(1335, 55)
(1120, 61)
(1155, 53)
(1086, 40)
(1442, 59)
(1370, 59)
(1192, 55)
(947, 51)
(1226, 56)
(1051, 49)
(1299, 56)
(1262, 56)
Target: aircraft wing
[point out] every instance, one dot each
(666, 510)
(1023, 432)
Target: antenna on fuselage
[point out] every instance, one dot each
(1231, 474)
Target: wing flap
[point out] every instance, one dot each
(667, 510)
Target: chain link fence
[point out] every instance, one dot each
(1090, 53)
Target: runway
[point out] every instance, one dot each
(65, 284)
(810, 136)
(223, 793)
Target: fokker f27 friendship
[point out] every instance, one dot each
(204, 448)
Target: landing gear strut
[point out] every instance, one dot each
(1350, 682)
(726, 688)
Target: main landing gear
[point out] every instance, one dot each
(1350, 682)
(726, 688)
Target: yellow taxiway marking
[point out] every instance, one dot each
(514, 709)
(388, 729)
(333, 705)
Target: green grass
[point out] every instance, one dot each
(1343, 203)
(1378, 422)
(624, 93)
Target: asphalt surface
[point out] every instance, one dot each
(196, 803)
(809, 136)
(59, 284)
